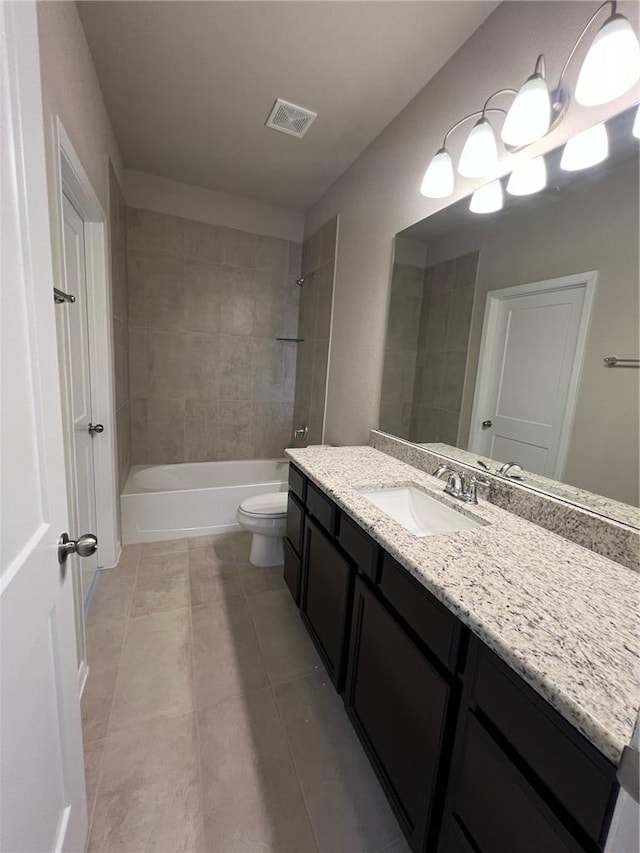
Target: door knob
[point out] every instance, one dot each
(83, 546)
(487, 424)
(93, 428)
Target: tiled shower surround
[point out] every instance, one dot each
(427, 342)
(208, 379)
(316, 298)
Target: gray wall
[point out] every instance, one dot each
(316, 299)
(378, 196)
(120, 310)
(208, 379)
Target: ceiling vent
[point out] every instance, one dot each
(288, 118)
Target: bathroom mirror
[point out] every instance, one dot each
(499, 327)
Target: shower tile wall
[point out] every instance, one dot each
(405, 304)
(443, 338)
(316, 297)
(208, 379)
(118, 239)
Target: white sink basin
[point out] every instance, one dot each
(418, 512)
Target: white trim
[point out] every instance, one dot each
(488, 343)
(74, 182)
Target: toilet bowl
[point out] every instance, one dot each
(265, 516)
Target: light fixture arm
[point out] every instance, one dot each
(476, 114)
(485, 108)
(585, 30)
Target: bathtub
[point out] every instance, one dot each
(194, 498)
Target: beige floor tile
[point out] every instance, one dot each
(170, 546)
(93, 753)
(398, 846)
(162, 584)
(226, 656)
(97, 698)
(250, 793)
(256, 579)
(211, 580)
(241, 546)
(345, 801)
(217, 546)
(286, 647)
(149, 793)
(154, 677)
(129, 556)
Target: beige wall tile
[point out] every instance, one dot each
(267, 370)
(139, 445)
(166, 364)
(203, 292)
(295, 259)
(240, 249)
(165, 431)
(272, 255)
(235, 440)
(135, 286)
(235, 368)
(155, 232)
(271, 427)
(202, 241)
(237, 301)
(201, 431)
(138, 361)
(163, 291)
(201, 359)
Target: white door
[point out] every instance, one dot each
(74, 339)
(42, 788)
(528, 372)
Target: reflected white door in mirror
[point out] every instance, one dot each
(530, 361)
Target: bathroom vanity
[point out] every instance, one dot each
(488, 672)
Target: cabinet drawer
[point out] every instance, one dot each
(297, 482)
(455, 841)
(499, 809)
(295, 522)
(361, 548)
(322, 508)
(581, 779)
(292, 571)
(436, 626)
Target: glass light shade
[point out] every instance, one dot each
(636, 125)
(527, 178)
(586, 149)
(612, 63)
(529, 115)
(438, 179)
(487, 199)
(480, 153)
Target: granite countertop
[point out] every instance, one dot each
(563, 617)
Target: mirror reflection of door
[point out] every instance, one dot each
(531, 355)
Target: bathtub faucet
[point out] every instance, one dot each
(301, 432)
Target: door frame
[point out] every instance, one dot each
(72, 181)
(488, 343)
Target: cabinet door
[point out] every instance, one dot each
(397, 702)
(326, 598)
(497, 806)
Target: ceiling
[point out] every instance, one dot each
(189, 85)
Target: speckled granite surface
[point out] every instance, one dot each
(562, 617)
(605, 536)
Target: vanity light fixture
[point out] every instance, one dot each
(487, 199)
(528, 177)
(529, 116)
(636, 125)
(585, 149)
(609, 69)
(612, 64)
(438, 180)
(479, 155)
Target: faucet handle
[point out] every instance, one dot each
(471, 494)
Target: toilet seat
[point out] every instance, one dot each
(271, 505)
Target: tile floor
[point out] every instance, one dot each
(209, 722)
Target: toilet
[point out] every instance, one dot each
(265, 516)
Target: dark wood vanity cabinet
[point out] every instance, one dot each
(472, 759)
(327, 583)
(397, 701)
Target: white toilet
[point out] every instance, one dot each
(265, 516)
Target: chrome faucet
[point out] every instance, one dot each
(457, 485)
(511, 470)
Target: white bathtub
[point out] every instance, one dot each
(194, 498)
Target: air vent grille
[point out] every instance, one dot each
(288, 118)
